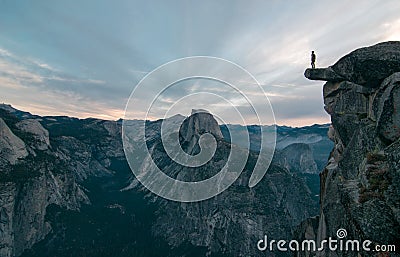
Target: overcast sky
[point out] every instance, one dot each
(83, 58)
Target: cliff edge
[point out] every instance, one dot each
(360, 189)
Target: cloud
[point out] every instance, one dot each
(392, 30)
(84, 62)
(36, 86)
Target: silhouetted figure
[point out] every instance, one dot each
(313, 58)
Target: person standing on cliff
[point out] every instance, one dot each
(313, 58)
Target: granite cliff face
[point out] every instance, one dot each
(360, 189)
(232, 222)
(46, 162)
(367, 66)
(12, 147)
(297, 158)
(38, 170)
(199, 122)
(60, 193)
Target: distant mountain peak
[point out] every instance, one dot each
(198, 123)
(194, 111)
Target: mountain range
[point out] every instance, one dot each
(66, 189)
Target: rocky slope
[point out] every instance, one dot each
(360, 189)
(297, 158)
(234, 220)
(12, 147)
(60, 193)
(314, 136)
(38, 170)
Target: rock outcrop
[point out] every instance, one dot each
(232, 222)
(367, 66)
(40, 135)
(385, 108)
(200, 122)
(39, 169)
(28, 184)
(360, 189)
(50, 160)
(12, 147)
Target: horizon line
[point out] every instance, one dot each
(104, 118)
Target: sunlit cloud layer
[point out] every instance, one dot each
(84, 59)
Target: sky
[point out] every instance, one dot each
(84, 58)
